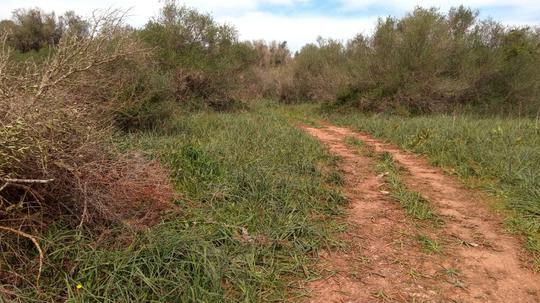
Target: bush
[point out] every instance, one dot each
(320, 71)
(146, 101)
(55, 126)
(200, 56)
(427, 62)
(33, 29)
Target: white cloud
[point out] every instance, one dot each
(236, 7)
(141, 10)
(408, 4)
(297, 29)
(508, 11)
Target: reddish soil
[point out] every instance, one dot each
(385, 262)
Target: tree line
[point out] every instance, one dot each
(426, 61)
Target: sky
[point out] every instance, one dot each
(296, 21)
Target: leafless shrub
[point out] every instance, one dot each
(55, 121)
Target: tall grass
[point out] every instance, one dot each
(499, 155)
(255, 210)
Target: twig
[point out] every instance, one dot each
(26, 181)
(85, 209)
(34, 240)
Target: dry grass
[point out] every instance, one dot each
(141, 188)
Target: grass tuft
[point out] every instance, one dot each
(430, 246)
(413, 202)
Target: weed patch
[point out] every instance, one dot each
(429, 245)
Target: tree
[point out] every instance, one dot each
(34, 29)
(74, 24)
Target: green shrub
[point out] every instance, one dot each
(200, 55)
(320, 71)
(148, 114)
(425, 62)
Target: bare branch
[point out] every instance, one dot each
(106, 43)
(36, 244)
(27, 181)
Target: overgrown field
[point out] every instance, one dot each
(499, 155)
(257, 200)
(140, 164)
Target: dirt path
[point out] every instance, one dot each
(386, 263)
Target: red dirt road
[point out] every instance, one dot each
(385, 262)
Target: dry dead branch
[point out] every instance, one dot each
(36, 244)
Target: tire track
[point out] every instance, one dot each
(481, 263)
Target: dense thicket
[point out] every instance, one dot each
(199, 63)
(197, 55)
(56, 163)
(427, 61)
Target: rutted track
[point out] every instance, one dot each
(481, 262)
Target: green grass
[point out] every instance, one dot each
(413, 202)
(498, 155)
(260, 200)
(415, 205)
(429, 245)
